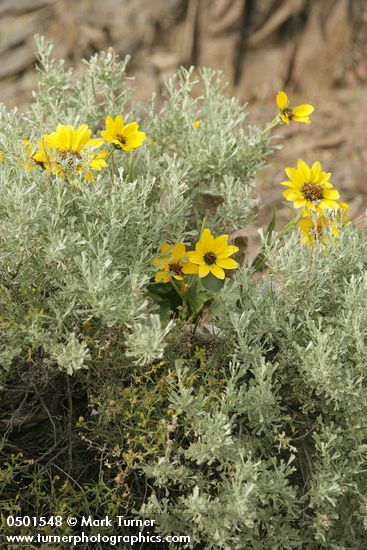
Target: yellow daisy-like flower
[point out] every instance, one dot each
(212, 255)
(1, 155)
(317, 229)
(310, 188)
(126, 137)
(68, 148)
(196, 123)
(173, 263)
(287, 113)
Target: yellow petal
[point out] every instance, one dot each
(282, 100)
(285, 119)
(98, 163)
(107, 136)
(220, 244)
(206, 242)
(110, 125)
(63, 137)
(290, 194)
(300, 203)
(303, 110)
(295, 176)
(343, 205)
(164, 248)
(304, 169)
(96, 142)
(196, 258)
(162, 277)
(327, 203)
(135, 140)
(316, 172)
(118, 124)
(203, 270)
(227, 263)
(217, 271)
(231, 249)
(331, 194)
(178, 251)
(304, 119)
(131, 128)
(190, 269)
(81, 137)
(306, 224)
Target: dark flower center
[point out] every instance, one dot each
(210, 258)
(38, 162)
(69, 155)
(122, 139)
(175, 268)
(319, 230)
(288, 112)
(312, 191)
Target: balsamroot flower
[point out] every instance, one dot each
(317, 228)
(310, 188)
(126, 137)
(287, 113)
(213, 255)
(69, 149)
(173, 263)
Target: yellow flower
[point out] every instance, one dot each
(317, 229)
(173, 263)
(310, 188)
(28, 162)
(1, 155)
(68, 148)
(196, 123)
(213, 255)
(126, 137)
(299, 114)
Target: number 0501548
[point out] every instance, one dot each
(32, 521)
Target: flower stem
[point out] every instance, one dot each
(177, 288)
(113, 164)
(275, 122)
(289, 226)
(109, 154)
(203, 225)
(131, 167)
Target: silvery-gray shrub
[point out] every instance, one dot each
(266, 418)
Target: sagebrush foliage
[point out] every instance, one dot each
(275, 458)
(245, 432)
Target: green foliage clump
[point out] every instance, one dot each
(275, 458)
(244, 429)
